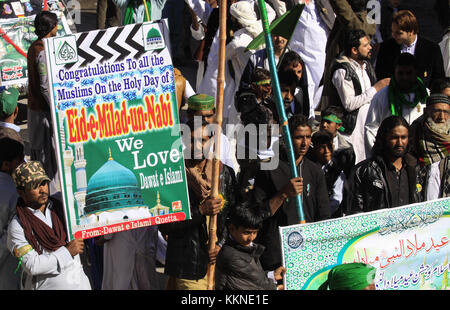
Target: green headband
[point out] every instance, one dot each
(263, 82)
(333, 118)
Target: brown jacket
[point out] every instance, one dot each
(36, 100)
(180, 86)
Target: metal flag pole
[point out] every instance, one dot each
(279, 102)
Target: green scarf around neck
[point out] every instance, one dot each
(397, 98)
(132, 7)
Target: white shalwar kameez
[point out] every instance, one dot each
(309, 41)
(56, 270)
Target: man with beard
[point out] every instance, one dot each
(430, 135)
(188, 254)
(389, 178)
(37, 236)
(354, 84)
(202, 108)
(405, 96)
(275, 192)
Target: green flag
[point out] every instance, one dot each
(283, 26)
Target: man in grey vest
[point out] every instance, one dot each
(353, 85)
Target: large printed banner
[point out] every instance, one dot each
(408, 246)
(116, 122)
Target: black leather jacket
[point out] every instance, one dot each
(187, 249)
(369, 187)
(238, 268)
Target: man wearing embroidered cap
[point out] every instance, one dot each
(8, 113)
(37, 235)
(202, 106)
(431, 146)
(352, 276)
(188, 250)
(201, 102)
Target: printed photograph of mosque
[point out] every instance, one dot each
(111, 195)
(153, 39)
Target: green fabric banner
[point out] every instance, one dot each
(408, 246)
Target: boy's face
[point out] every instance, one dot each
(298, 70)
(330, 126)
(243, 236)
(287, 93)
(323, 153)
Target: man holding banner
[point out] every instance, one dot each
(37, 236)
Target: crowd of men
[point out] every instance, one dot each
(368, 114)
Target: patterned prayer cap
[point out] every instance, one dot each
(437, 98)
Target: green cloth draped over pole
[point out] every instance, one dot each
(282, 26)
(279, 102)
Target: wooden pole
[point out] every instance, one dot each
(217, 133)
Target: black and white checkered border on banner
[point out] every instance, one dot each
(112, 45)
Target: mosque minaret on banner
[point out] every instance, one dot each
(80, 177)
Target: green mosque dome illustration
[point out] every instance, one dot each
(113, 186)
(154, 37)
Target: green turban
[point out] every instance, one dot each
(353, 276)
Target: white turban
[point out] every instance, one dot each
(245, 13)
